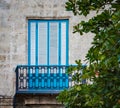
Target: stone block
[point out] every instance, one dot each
(2, 58)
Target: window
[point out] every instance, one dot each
(47, 55)
(48, 42)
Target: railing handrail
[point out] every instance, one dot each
(24, 66)
(44, 65)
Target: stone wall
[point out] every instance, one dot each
(13, 35)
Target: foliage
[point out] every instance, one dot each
(103, 58)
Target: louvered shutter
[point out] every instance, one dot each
(63, 44)
(53, 46)
(42, 43)
(32, 43)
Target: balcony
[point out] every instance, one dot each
(42, 79)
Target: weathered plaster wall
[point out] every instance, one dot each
(13, 35)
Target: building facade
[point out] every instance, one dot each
(37, 44)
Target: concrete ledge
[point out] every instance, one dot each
(41, 100)
(6, 101)
(44, 106)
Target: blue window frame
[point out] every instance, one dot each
(48, 42)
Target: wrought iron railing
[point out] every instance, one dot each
(42, 79)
